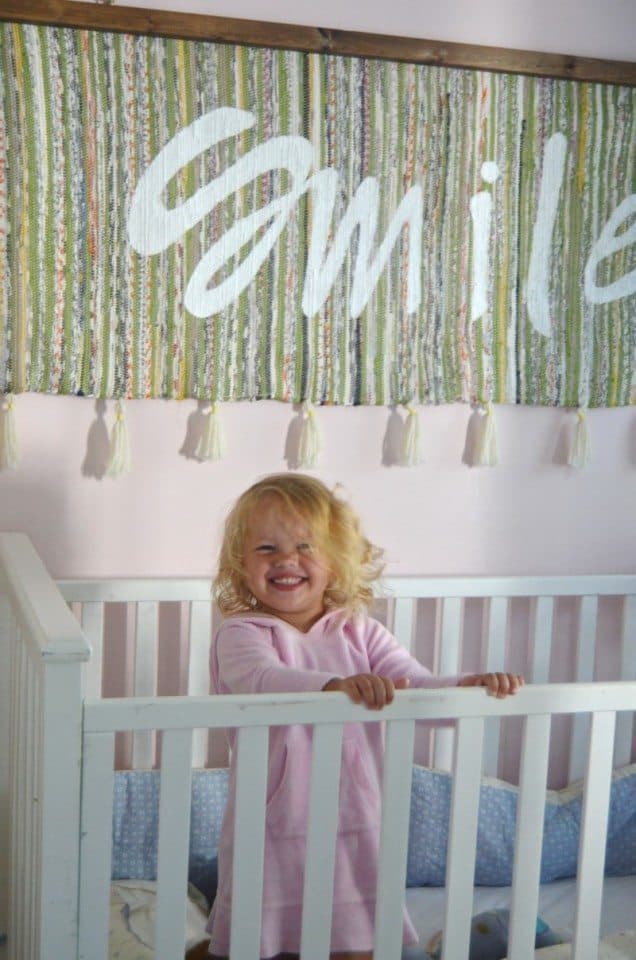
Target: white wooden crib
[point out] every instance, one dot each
(62, 736)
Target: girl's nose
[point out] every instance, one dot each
(284, 556)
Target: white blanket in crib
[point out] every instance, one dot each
(132, 919)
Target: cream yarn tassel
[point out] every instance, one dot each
(579, 452)
(411, 445)
(212, 443)
(486, 447)
(310, 441)
(119, 462)
(10, 447)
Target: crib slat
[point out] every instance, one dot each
(247, 878)
(11, 633)
(584, 673)
(18, 747)
(449, 637)
(450, 634)
(95, 845)
(32, 839)
(93, 627)
(596, 796)
(143, 756)
(174, 842)
(494, 661)
(321, 842)
(198, 669)
(24, 802)
(625, 721)
(542, 641)
(462, 841)
(396, 799)
(25, 882)
(530, 815)
(403, 617)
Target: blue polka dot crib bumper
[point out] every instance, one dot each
(136, 824)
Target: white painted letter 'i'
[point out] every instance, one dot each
(480, 213)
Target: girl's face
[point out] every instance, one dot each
(286, 574)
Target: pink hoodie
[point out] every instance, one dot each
(256, 653)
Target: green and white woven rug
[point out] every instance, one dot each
(188, 219)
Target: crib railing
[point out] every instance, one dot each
(143, 598)
(405, 604)
(43, 646)
(252, 715)
(544, 594)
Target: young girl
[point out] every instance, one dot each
(294, 581)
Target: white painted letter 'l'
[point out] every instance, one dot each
(480, 213)
(537, 297)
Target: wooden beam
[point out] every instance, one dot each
(194, 26)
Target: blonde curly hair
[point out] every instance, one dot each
(353, 561)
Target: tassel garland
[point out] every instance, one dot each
(10, 447)
(212, 443)
(310, 442)
(411, 445)
(119, 462)
(579, 453)
(486, 447)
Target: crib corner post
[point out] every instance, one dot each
(5, 614)
(60, 808)
(42, 650)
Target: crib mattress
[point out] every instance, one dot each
(557, 904)
(426, 907)
(616, 946)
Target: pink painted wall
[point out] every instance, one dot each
(585, 28)
(529, 514)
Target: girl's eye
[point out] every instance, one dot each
(304, 546)
(264, 548)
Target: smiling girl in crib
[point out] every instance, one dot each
(294, 581)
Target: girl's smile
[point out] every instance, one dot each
(285, 572)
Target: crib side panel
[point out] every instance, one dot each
(252, 715)
(567, 628)
(45, 646)
(523, 624)
(148, 638)
(625, 745)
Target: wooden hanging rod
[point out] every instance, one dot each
(194, 26)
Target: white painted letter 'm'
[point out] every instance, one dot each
(607, 244)
(537, 297)
(293, 154)
(323, 265)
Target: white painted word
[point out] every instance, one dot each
(153, 227)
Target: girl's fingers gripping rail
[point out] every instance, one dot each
(498, 684)
(368, 688)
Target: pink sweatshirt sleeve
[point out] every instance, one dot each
(389, 659)
(243, 660)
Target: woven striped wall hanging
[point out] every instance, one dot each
(189, 219)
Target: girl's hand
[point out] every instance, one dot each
(498, 684)
(368, 688)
